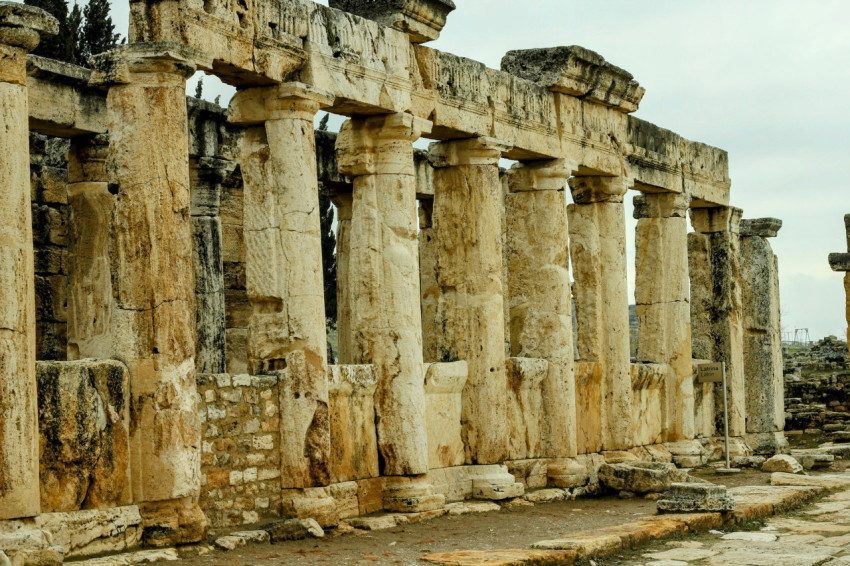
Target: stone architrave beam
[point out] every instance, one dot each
(21, 28)
(467, 222)
(598, 251)
(422, 20)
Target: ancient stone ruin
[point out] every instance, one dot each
(163, 348)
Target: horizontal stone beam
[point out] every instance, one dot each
(60, 101)
(764, 227)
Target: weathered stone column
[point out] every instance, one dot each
(467, 223)
(153, 281)
(20, 30)
(90, 301)
(662, 291)
(284, 268)
(207, 174)
(383, 279)
(428, 284)
(539, 292)
(598, 250)
(716, 309)
(841, 262)
(763, 366)
(343, 201)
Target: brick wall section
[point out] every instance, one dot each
(240, 463)
(49, 177)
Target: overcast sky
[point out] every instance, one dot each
(766, 80)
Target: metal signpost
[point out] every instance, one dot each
(715, 372)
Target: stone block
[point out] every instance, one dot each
(410, 494)
(762, 227)
(84, 421)
(782, 463)
(370, 495)
(310, 503)
(453, 483)
(494, 482)
(641, 477)
(294, 529)
(422, 20)
(693, 497)
(354, 444)
(568, 473)
(444, 383)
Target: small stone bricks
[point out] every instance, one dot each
(641, 477)
(696, 497)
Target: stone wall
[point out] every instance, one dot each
(49, 177)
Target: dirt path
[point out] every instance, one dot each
(512, 527)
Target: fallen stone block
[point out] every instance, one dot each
(294, 529)
(691, 497)
(133, 558)
(782, 463)
(501, 557)
(235, 540)
(584, 544)
(464, 507)
(810, 459)
(827, 481)
(546, 495)
(377, 522)
(641, 477)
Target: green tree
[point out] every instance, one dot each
(98, 32)
(63, 46)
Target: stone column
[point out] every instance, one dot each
(841, 262)
(716, 309)
(152, 276)
(662, 291)
(467, 223)
(763, 366)
(207, 174)
(90, 301)
(539, 292)
(283, 269)
(20, 30)
(343, 201)
(383, 278)
(598, 250)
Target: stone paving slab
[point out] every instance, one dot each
(501, 557)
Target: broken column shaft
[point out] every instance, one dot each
(470, 313)
(598, 251)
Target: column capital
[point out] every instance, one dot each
(21, 28)
(379, 144)
(763, 227)
(588, 190)
(542, 175)
(716, 219)
(482, 150)
(256, 105)
(661, 205)
(160, 63)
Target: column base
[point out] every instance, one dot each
(310, 503)
(411, 494)
(494, 482)
(767, 443)
(175, 521)
(687, 453)
(568, 473)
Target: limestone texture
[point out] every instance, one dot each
(540, 306)
(20, 30)
(444, 385)
(383, 271)
(354, 444)
(152, 322)
(421, 19)
(695, 497)
(470, 309)
(598, 252)
(782, 463)
(641, 477)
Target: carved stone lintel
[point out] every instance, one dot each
(422, 20)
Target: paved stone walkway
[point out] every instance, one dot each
(817, 535)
